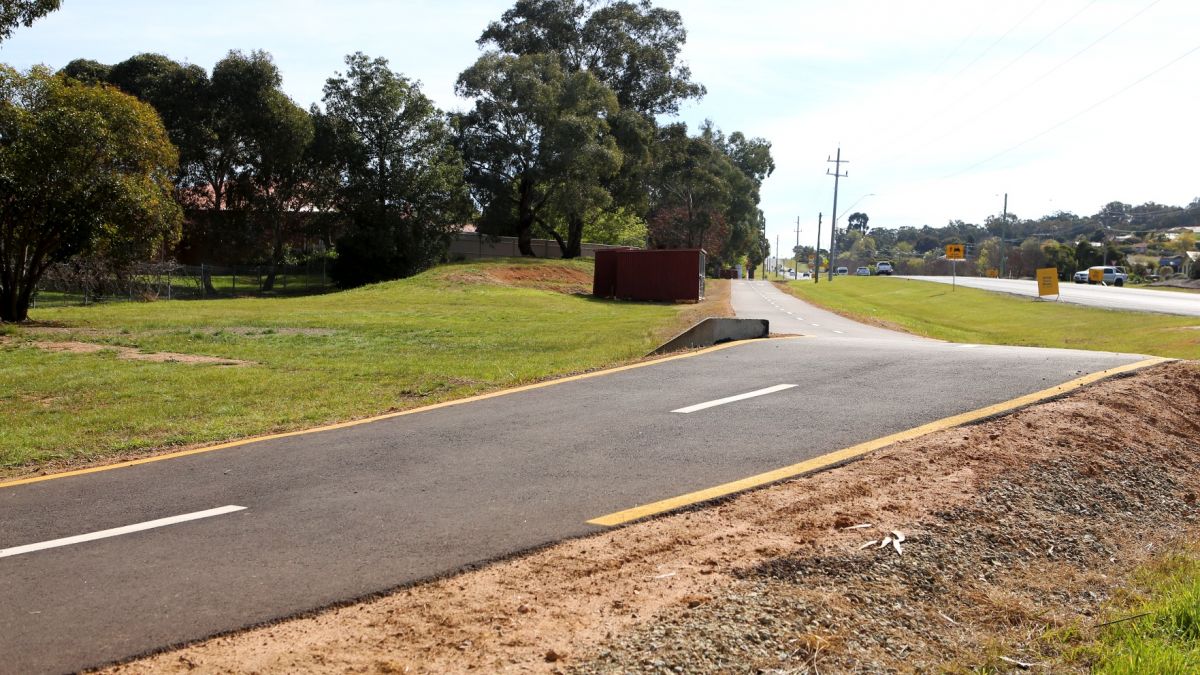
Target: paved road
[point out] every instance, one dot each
(1107, 297)
(340, 514)
(791, 316)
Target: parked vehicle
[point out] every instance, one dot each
(1080, 277)
(883, 267)
(1112, 276)
(863, 272)
(805, 275)
(841, 272)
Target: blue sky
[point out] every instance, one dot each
(940, 106)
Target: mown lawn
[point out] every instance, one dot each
(451, 332)
(974, 316)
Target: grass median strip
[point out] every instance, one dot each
(452, 332)
(974, 316)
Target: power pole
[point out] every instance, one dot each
(777, 252)
(796, 252)
(1003, 230)
(837, 175)
(817, 252)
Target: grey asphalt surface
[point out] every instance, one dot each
(1105, 297)
(335, 515)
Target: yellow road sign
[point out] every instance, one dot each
(993, 273)
(1047, 279)
(1096, 275)
(955, 252)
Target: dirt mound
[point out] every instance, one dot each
(1012, 528)
(559, 278)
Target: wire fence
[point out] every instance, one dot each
(81, 284)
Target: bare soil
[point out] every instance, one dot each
(131, 354)
(556, 278)
(1012, 529)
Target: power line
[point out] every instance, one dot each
(1004, 100)
(1079, 114)
(926, 121)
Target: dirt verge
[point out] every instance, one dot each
(131, 354)
(1012, 528)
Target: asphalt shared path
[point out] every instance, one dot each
(1105, 297)
(107, 565)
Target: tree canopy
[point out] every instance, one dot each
(15, 13)
(82, 168)
(537, 143)
(397, 176)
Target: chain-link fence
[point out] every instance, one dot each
(83, 284)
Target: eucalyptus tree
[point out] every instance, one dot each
(632, 49)
(83, 169)
(398, 177)
(536, 144)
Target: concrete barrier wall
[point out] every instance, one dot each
(474, 246)
(710, 332)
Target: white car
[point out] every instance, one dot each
(805, 275)
(863, 272)
(883, 267)
(1111, 276)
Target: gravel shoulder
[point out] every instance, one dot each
(1013, 529)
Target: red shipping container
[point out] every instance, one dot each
(664, 275)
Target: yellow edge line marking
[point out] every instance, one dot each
(377, 418)
(838, 456)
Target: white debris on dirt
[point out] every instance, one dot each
(1009, 528)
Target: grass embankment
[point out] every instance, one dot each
(1153, 627)
(974, 316)
(454, 331)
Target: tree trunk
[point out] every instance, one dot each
(206, 281)
(525, 217)
(9, 311)
(276, 257)
(574, 245)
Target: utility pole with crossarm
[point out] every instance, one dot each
(837, 174)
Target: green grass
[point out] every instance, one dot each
(1155, 623)
(444, 334)
(974, 316)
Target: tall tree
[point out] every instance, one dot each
(82, 168)
(632, 47)
(858, 221)
(24, 13)
(179, 92)
(276, 175)
(537, 143)
(401, 189)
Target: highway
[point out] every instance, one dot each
(1106, 297)
(103, 566)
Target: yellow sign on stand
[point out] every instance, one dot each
(955, 252)
(993, 273)
(1095, 275)
(1047, 279)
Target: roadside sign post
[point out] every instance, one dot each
(955, 253)
(1047, 280)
